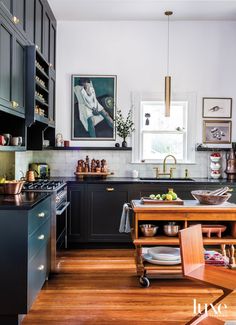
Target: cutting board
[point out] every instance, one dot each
(90, 174)
(147, 200)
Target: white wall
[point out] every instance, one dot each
(202, 55)
(203, 62)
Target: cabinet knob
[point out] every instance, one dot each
(41, 267)
(110, 189)
(15, 20)
(50, 65)
(41, 215)
(41, 237)
(14, 104)
(37, 47)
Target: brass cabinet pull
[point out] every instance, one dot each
(110, 189)
(14, 104)
(41, 267)
(41, 215)
(41, 237)
(15, 20)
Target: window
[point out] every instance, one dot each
(159, 136)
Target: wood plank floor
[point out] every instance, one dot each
(99, 287)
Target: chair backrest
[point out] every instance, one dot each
(191, 247)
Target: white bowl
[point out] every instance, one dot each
(215, 166)
(215, 159)
(216, 176)
(164, 253)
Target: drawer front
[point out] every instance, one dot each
(39, 215)
(214, 216)
(160, 216)
(38, 239)
(37, 273)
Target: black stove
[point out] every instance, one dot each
(43, 185)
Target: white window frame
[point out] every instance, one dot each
(137, 100)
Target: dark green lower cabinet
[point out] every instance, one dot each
(95, 209)
(25, 259)
(104, 212)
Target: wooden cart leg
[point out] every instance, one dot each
(232, 264)
(223, 250)
(139, 260)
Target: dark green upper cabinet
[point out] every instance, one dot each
(19, 9)
(7, 4)
(46, 39)
(12, 65)
(53, 46)
(29, 20)
(18, 87)
(6, 37)
(39, 25)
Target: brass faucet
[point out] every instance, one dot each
(164, 168)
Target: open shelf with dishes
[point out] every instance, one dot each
(40, 117)
(13, 133)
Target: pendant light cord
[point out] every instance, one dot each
(168, 46)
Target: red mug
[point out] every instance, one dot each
(2, 140)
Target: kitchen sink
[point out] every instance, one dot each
(167, 179)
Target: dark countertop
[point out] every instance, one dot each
(129, 180)
(23, 201)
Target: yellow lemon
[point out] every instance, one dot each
(169, 197)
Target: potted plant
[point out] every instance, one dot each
(124, 127)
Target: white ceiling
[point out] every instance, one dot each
(143, 9)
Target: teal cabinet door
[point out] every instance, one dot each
(12, 67)
(6, 53)
(39, 25)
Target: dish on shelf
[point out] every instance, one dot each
(215, 166)
(148, 230)
(151, 260)
(165, 253)
(213, 229)
(215, 159)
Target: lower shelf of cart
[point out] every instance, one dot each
(164, 268)
(165, 240)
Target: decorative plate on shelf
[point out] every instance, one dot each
(164, 253)
(151, 260)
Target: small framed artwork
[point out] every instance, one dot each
(93, 107)
(216, 131)
(217, 107)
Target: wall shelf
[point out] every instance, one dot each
(93, 148)
(201, 148)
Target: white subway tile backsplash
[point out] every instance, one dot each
(63, 163)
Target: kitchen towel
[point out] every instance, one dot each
(124, 221)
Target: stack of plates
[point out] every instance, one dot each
(163, 255)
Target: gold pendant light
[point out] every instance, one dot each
(167, 77)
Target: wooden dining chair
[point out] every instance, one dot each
(194, 267)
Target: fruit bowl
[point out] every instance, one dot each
(204, 197)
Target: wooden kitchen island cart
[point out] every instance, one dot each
(184, 215)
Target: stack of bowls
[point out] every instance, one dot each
(163, 255)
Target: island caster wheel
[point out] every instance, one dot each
(144, 282)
